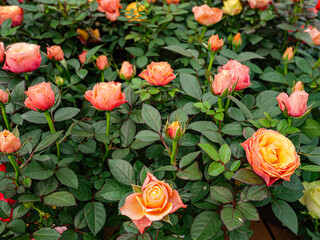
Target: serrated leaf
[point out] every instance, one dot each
(95, 215)
(122, 171)
(248, 210)
(67, 177)
(60, 199)
(286, 215)
(248, 176)
(231, 217)
(221, 194)
(151, 117)
(46, 234)
(205, 226)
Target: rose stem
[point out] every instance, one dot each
(16, 169)
(102, 76)
(5, 117)
(53, 130)
(108, 117)
(174, 150)
(203, 32)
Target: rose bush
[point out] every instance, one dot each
(158, 119)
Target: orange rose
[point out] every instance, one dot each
(127, 71)
(156, 201)
(288, 54)
(102, 62)
(106, 96)
(237, 41)
(158, 73)
(206, 15)
(271, 155)
(82, 56)
(13, 12)
(3, 96)
(175, 2)
(55, 52)
(9, 143)
(110, 8)
(1, 52)
(22, 57)
(40, 96)
(215, 43)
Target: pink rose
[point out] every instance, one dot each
(239, 73)
(111, 8)
(221, 82)
(258, 3)
(40, 96)
(1, 52)
(13, 12)
(314, 34)
(102, 62)
(127, 71)
(9, 143)
(55, 52)
(22, 57)
(206, 15)
(3, 96)
(82, 56)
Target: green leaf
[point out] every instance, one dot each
(248, 176)
(248, 210)
(303, 64)
(142, 61)
(16, 225)
(91, 53)
(190, 85)
(286, 215)
(66, 113)
(122, 171)
(255, 193)
(242, 107)
(136, 51)
(113, 191)
(79, 220)
(215, 169)
(46, 234)
(245, 56)
(151, 117)
(47, 186)
(210, 150)
(273, 77)
(60, 199)
(191, 173)
(205, 226)
(187, 159)
(67, 177)
(48, 141)
(231, 217)
(28, 197)
(225, 153)
(311, 128)
(232, 129)
(179, 49)
(311, 168)
(95, 215)
(221, 194)
(34, 117)
(38, 171)
(235, 165)
(203, 126)
(5, 209)
(128, 132)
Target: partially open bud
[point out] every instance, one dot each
(3, 96)
(237, 41)
(102, 62)
(222, 82)
(288, 54)
(59, 80)
(127, 71)
(215, 43)
(9, 143)
(1, 52)
(82, 56)
(55, 52)
(174, 130)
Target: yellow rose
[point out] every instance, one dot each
(133, 12)
(311, 198)
(231, 7)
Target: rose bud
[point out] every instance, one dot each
(206, 15)
(55, 53)
(239, 73)
(237, 41)
(127, 71)
(110, 8)
(13, 12)
(258, 3)
(9, 143)
(106, 96)
(311, 198)
(231, 7)
(59, 80)
(298, 86)
(3, 96)
(288, 54)
(296, 104)
(271, 155)
(222, 82)
(82, 57)
(1, 52)
(102, 62)
(156, 200)
(215, 43)
(40, 97)
(22, 57)
(158, 73)
(314, 34)
(174, 131)
(175, 2)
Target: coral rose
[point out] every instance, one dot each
(215, 43)
(13, 12)
(206, 15)
(1, 52)
(231, 7)
(237, 41)
(82, 56)
(127, 71)
(22, 57)
(222, 81)
(239, 73)
(55, 52)
(102, 62)
(288, 54)
(106, 96)
(311, 198)
(296, 104)
(258, 3)
(40, 97)
(9, 143)
(158, 73)
(175, 2)
(271, 155)
(314, 34)
(156, 201)
(3, 96)
(110, 8)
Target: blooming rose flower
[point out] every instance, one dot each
(237, 41)
(22, 57)
(156, 201)
(221, 82)
(11, 202)
(288, 54)
(175, 2)
(271, 155)
(215, 43)
(311, 198)
(258, 3)
(102, 62)
(82, 56)
(9, 143)
(314, 34)
(206, 15)
(40, 96)
(158, 73)
(174, 130)
(296, 104)
(1, 52)
(133, 11)
(127, 71)
(3, 96)
(231, 7)
(13, 12)
(106, 96)
(239, 73)
(111, 8)
(55, 52)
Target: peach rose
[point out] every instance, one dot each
(3, 96)
(298, 86)
(158, 73)
(110, 8)
(314, 34)
(215, 43)
(9, 143)
(13, 12)
(237, 41)
(102, 62)
(239, 73)
(127, 71)
(55, 52)
(271, 155)
(106, 96)
(288, 54)
(206, 15)
(296, 104)
(258, 3)
(40, 96)
(156, 201)
(22, 57)
(174, 130)
(82, 56)
(222, 81)
(175, 2)
(1, 52)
